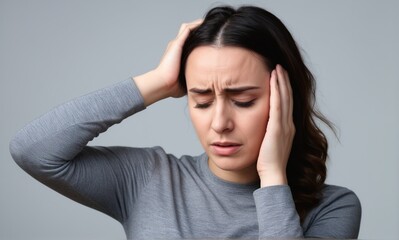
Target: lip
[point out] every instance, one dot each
(225, 148)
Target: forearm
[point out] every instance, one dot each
(277, 216)
(273, 178)
(65, 130)
(151, 87)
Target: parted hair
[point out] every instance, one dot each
(260, 31)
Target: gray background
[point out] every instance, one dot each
(51, 51)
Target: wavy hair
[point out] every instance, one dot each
(260, 31)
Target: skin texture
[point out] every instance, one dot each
(263, 132)
(223, 117)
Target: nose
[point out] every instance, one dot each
(222, 121)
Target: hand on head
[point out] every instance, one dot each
(168, 68)
(162, 82)
(276, 146)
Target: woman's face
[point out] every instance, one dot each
(228, 97)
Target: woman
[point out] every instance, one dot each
(250, 98)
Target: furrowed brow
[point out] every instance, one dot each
(200, 91)
(239, 89)
(226, 90)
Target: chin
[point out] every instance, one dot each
(232, 163)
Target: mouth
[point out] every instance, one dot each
(225, 148)
(225, 144)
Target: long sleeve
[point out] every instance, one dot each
(277, 216)
(337, 216)
(53, 150)
(154, 194)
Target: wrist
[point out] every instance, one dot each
(151, 87)
(272, 179)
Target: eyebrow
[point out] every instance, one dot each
(226, 90)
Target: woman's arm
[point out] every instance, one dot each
(53, 149)
(337, 216)
(277, 215)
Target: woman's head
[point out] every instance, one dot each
(228, 98)
(248, 27)
(259, 32)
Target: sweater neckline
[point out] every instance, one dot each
(223, 185)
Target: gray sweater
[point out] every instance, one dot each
(156, 195)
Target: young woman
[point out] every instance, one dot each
(250, 98)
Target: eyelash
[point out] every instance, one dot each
(202, 105)
(245, 104)
(238, 104)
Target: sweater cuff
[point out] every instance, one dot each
(273, 195)
(277, 216)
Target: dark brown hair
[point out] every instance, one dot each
(258, 30)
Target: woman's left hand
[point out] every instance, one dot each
(276, 146)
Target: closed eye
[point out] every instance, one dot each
(202, 105)
(237, 103)
(244, 104)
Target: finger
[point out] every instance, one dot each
(275, 101)
(291, 106)
(284, 95)
(185, 28)
(184, 31)
(290, 116)
(190, 25)
(286, 98)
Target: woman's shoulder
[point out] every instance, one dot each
(338, 201)
(339, 197)
(337, 214)
(332, 193)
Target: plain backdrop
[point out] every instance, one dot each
(54, 50)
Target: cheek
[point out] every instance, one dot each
(199, 123)
(255, 123)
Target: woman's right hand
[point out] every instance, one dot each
(162, 82)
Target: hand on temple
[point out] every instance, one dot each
(276, 146)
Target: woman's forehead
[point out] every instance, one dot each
(208, 66)
(223, 57)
